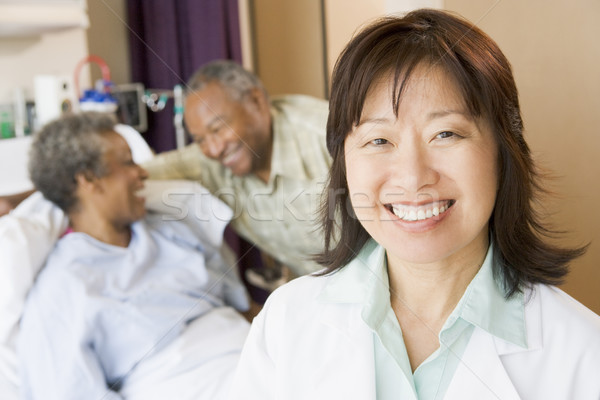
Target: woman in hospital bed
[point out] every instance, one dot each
(128, 305)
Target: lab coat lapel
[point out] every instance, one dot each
(480, 374)
(348, 344)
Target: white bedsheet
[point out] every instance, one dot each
(199, 365)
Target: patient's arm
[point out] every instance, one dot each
(57, 361)
(184, 163)
(7, 203)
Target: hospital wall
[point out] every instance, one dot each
(57, 52)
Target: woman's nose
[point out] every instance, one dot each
(414, 168)
(143, 173)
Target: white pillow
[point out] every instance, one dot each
(27, 235)
(140, 151)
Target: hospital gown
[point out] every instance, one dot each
(98, 313)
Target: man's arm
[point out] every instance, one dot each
(184, 163)
(7, 203)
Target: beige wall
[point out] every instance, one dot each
(288, 46)
(553, 47)
(290, 50)
(343, 19)
(107, 38)
(245, 16)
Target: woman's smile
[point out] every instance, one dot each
(420, 212)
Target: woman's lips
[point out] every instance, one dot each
(422, 212)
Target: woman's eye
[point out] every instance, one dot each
(379, 141)
(445, 135)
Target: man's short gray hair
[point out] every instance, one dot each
(234, 78)
(64, 148)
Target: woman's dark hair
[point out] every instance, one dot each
(64, 148)
(439, 39)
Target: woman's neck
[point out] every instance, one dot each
(432, 291)
(100, 228)
(423, 297)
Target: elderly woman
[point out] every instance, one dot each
(127, 305)
(439, 285)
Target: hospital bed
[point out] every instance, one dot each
(29, 232)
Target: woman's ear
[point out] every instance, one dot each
(86, 181)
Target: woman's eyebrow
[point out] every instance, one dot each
(431, 116)
(445, 113)
(374, 120)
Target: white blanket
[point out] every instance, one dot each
(198, 365)
(28, 234)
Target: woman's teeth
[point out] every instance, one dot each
(411, 213)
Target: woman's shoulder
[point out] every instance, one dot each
(300, 294)
(60, 262)
(291, 312)
(56, 285)
(565, 318)
(305, 288)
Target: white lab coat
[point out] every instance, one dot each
(300, 347)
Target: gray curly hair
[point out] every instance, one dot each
(64, 148)
(234, 78)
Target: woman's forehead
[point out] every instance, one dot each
(426, 83)
(114, 143)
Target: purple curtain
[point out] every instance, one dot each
(169, 40)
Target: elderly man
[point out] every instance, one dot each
(266, 158)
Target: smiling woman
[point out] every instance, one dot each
(110, 203)
(125, 293)
(439, 274)
(423, 183)
(95, 182)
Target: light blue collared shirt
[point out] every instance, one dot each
(483, 305)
